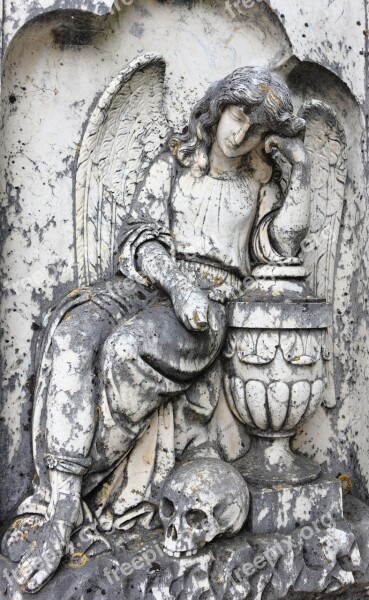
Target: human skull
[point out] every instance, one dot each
(201, 500)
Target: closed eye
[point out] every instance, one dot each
(238, 115)
(257, 129)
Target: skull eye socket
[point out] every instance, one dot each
(196, 518)
(167, 507)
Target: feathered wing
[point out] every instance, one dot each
(325, 141)
(126, 131)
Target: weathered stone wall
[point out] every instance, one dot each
(56, 61)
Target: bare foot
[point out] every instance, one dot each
(20, 535)
(42, 559)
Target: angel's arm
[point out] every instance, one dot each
(291, 222)
(148, 220)
(190, 304)
(147, 249)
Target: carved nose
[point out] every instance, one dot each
(239, 136)
(172, 533)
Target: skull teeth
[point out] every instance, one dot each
(173, 554)
(187, 553)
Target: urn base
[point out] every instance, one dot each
(271, 461)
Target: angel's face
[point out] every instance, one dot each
(238, 133)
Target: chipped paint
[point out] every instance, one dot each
(53, 76)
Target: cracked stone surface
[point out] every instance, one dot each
(311, 563)
(58, 57)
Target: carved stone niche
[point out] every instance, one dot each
(180, 391)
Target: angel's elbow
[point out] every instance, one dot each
(288, 240)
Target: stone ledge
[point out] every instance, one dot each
(331, 563)
(281, 508)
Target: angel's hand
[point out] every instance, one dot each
(191, 306)
(293, 149)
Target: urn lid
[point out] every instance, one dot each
(279, 303)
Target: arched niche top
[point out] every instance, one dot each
(333, 38)
(16, 17)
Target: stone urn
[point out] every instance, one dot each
(276, 371)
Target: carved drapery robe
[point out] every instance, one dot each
(208, 225)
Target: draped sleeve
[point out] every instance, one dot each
(149, 218)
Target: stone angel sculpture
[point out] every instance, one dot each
(168, 227)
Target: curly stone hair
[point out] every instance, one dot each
(250, 88)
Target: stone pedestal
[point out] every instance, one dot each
(284, 508)
(271, 461)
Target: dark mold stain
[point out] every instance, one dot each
(76, 29)
(137, 29)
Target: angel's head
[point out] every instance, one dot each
(236, 113)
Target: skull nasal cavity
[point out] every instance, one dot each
(172, 533)
(196, 518)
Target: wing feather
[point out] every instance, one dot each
(126, 131)
(326, 143)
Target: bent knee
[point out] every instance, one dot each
(120, 347)
(63, 338)
(79, 330)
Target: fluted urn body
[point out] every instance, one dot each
(276, 374)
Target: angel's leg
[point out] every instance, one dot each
(64, 513)
(151, 359)
(71, 406)
(70, 427)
